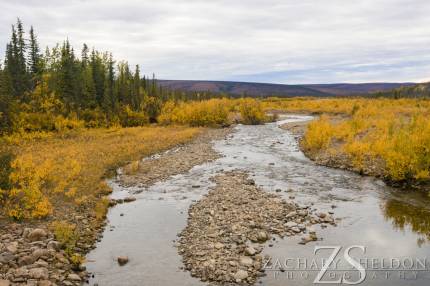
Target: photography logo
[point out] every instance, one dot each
(347, 266)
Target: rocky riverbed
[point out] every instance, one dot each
(229, 227)
(31, 256)
(176, 161)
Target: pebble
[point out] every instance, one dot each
(250, 251)
(291, 224)
(240, 275)
(74, 277)
(246, 261)
(122, 260)
(37, 234)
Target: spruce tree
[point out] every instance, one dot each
(88, 89)
(110, 99)
(23, 75)
(35, 62)
(137, 99)
(99, 75)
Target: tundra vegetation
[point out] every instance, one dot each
(384, 137)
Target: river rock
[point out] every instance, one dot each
(302, 212)
(73, 277)
(219, 245)
(26, 260)
(6, 257)
(291, 214)
(250, 251)
(129, 199)
(45, 283)
(322, 215)
(262, 236)
(40, 253)
(246, 261)
(12, 247)
(4, 282)
(240, 275)
(37, 234)
(328, 219)
(39, 273)
(54, 245)
(122, 260)
(291, 224)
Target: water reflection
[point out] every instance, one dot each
(409, 216)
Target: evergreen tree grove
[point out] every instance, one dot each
(57, 89)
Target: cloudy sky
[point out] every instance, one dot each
(280, 41)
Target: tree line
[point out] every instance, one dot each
(61, 88)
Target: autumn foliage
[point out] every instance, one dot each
(51, 171)
(392, 133)
(213, 112)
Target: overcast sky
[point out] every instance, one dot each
(279, 41)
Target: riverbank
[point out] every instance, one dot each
(50, 251)
(338, 153)
(175, 161)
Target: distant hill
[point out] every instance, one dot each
(267, 89)
(419, 90)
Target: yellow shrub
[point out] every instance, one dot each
(251, 111)
(394, 131)
(66, 234)
(76, 259)
(318, 134)
(101, 208)
(26, 198)
(213, 112)
(130, 118)
(62, 123)
(167, 113)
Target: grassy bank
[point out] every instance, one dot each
(59, 173)
(382, 137)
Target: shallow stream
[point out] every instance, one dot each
(392, 225)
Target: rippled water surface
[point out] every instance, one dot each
(389, 223)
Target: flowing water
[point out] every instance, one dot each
(391, 226)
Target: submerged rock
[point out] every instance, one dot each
(122, 260)
(129, 199)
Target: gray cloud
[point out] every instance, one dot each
(287, 41)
